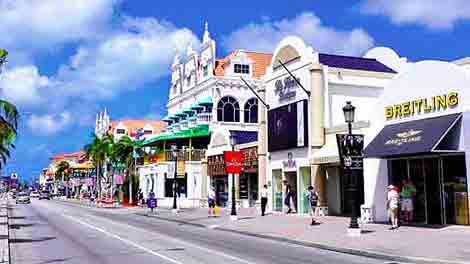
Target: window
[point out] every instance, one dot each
(120, 131)
(175, 89)
(188, 80)
(146, 132)
(228, 110)
(205, 70)
(251, 111)
(242, 68)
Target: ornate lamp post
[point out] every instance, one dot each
(233, 214)
(349, 111)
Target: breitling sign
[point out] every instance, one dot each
(412, 135)
(422, 105)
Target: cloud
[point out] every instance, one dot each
(266, 35)
(433, 14)
(22, 85)
(49, 124)
(35, 25)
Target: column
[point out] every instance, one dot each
(204, 179)
(262, 149)
(316, 109)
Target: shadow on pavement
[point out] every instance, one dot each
(17, 217)
(18, 226)
(28, 240)
(61, 260)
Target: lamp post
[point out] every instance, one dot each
(233, 214)
(174, 152)
(348, 111)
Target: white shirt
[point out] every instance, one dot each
(211, 194)
(264, 193)
(392, 198)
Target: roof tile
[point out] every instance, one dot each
(353, 63)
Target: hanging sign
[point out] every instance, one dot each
(233, 162)
(351, 148)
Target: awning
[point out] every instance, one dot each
(416, 137)
(243, 137)
(198, 131)
(187, 110)
(196, 106)
(206, 101)
(328, 154)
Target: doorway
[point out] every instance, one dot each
(291, 178)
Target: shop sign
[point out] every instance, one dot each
(215, 165)
(350, 149)
(411, 135)
(233, 162)
(289, 164)
(286, 88)
(180, 168)
(422, 105)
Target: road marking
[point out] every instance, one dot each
(129, 242)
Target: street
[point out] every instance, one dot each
(56, 232)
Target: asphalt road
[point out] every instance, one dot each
(55, 232)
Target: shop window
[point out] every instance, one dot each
(148, 132)
(242, 68)
(120, 131)
(228, 110)
(251, 111)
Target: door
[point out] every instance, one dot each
(416, 176)
(291, 178)
(433, 191)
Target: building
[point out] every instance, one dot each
(420, 134)
(208, 102)
(297, 140)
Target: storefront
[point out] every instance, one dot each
(249, 177)
(423, 146)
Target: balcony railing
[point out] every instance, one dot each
(193, 155)
(204, 118)
(192, 122)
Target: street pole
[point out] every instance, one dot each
(130, 181)
(353, 223)
(233, 214)
(175, 208)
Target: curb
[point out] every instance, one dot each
(350, 251)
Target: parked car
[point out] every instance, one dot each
(34, 194)
(44, 195)
(23, 198)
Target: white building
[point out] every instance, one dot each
(208, 102)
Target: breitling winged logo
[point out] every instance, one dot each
(409, 133)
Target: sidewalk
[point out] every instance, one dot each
(4, 234)
(407, 244)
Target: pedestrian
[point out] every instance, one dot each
(288, 196)
(264, 199)
(392, 205)
(211, 202)
(407, 193)
(313, 200)
(151, 201)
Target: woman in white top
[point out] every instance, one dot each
(392, 205)
(264, 199)
(211, 201)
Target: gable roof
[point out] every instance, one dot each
(260, 60)
(353, 63)
(133, 125)
(73, 155)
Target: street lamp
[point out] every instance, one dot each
(348, 111)
(233, 214)
(174, 153)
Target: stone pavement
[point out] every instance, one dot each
(407, 244)
(4, 235)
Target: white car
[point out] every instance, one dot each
(34, 194)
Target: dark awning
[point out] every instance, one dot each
(413, 137)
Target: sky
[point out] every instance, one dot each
(70, 59)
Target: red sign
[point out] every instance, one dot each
(233, 162)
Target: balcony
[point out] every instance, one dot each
(204, 118)
(192, 122)
(193, 155)
(184, 125)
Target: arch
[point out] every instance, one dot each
(290, 48)
(228, 109)
(250, 111)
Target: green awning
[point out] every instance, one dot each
(180, 114)
(206, 101)
(196, 106)
(198, 131)
(187, 110)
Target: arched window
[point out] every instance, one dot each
(251, 111)
(228, 110)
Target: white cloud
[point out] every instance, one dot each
(265, 36)
(434, 14)
(22, 85)
(49, 124)
(33, 24)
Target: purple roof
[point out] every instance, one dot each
(353, 63)
(242, 137)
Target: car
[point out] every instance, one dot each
(34, 194)
(44, 195)
(22, 198)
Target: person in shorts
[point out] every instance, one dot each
(313, 200)
(392, 205)
(407, 193)
(211, 202)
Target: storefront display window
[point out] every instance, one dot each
(304, 183)
(277, 190)
(455, 190)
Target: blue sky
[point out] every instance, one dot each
(68, 59)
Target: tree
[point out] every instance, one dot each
(97, 152)
(127, 151)
(9, 117)
(62, 172)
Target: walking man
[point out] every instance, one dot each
(313, 200)
(288, 196)
(392, 205)
(264, 199)
(408, 191)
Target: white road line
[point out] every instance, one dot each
(213, 252)
(124, 240)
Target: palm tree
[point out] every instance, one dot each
(127, 151)
(62, 171)
(9, 116)
(97, 152)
